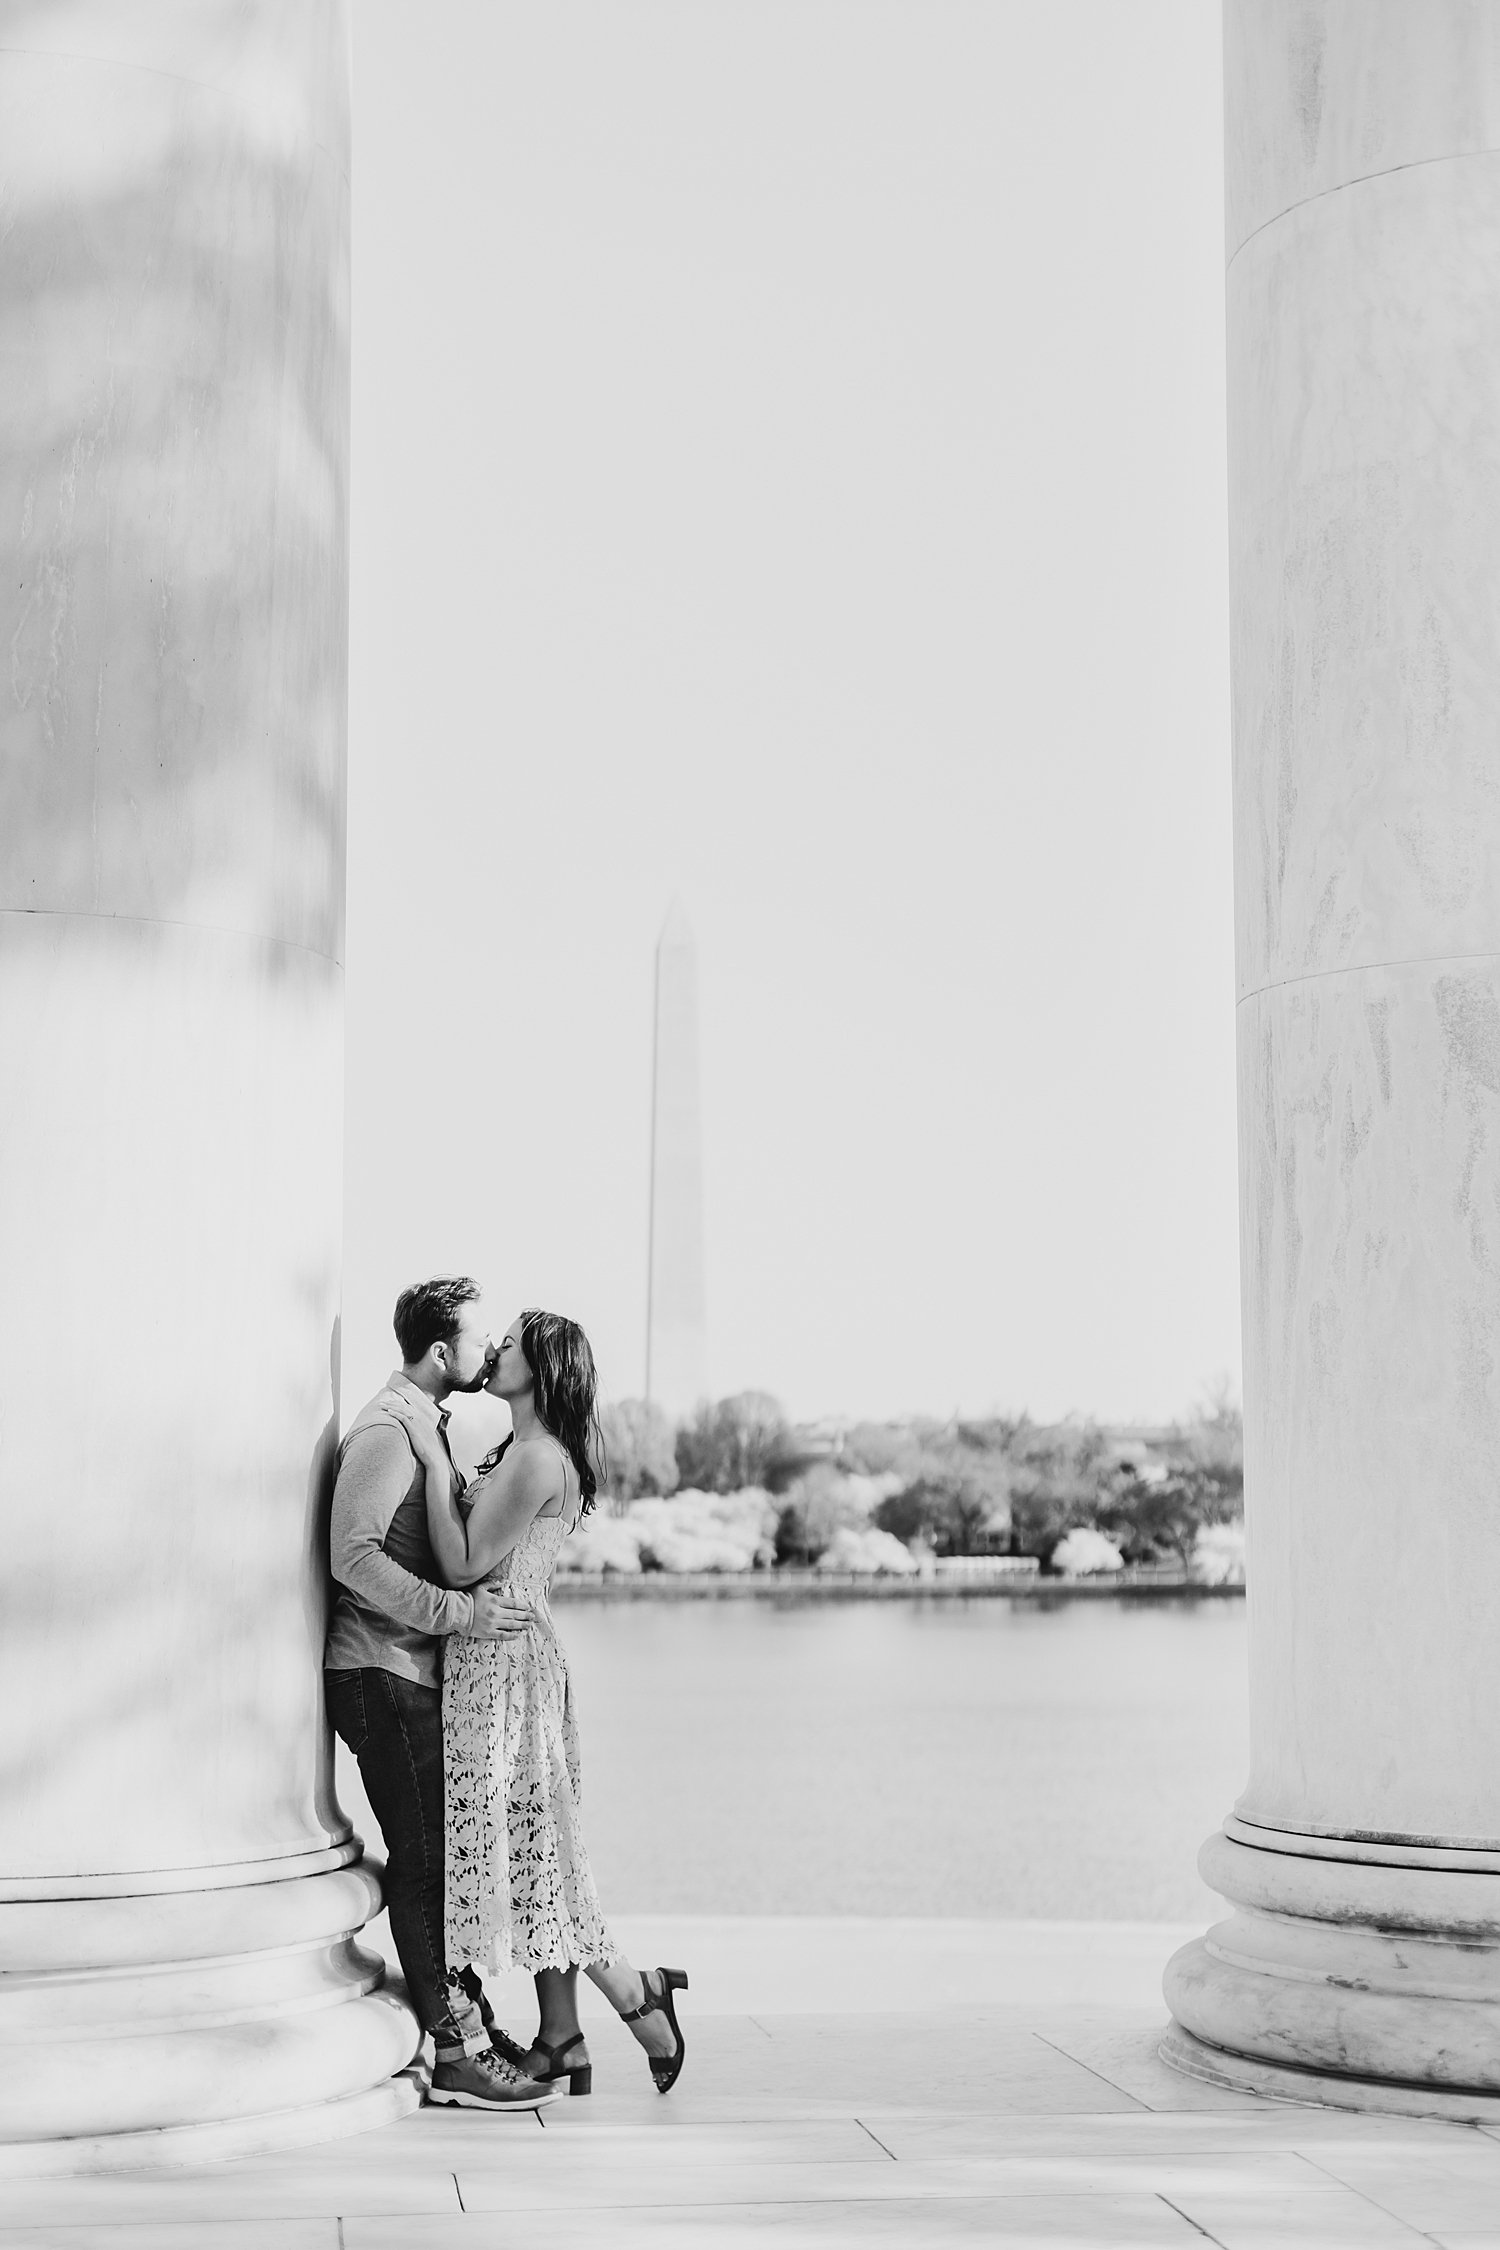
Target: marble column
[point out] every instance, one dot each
(1360, 1964)
(180, 1895)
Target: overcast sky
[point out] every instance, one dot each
(788, 474)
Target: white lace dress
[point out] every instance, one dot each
(519, 1892)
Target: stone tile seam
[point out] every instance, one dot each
(152, 70)
(875, 2137)
(167, 922)
(1374, 2201)
(1360, 969)
(1188, 2216)
(1141, 2107)
(1360, 179)
(921, 2194)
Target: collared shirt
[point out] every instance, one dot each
(392, 1609)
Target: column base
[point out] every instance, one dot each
(175, 2025)
(175, 2145)
(1369, 1981)
(1280, 2082)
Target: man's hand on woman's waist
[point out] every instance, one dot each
(496, 1617)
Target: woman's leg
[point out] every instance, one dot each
(557, 2008)
(557, 2004)
(625, 1988)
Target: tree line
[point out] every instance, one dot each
(991, 1485)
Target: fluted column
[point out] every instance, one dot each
(180, 1895)
(1362, 1864)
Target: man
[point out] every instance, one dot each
(382, 1671)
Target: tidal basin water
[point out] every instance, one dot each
(970, 1757)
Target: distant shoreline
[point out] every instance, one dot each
(822, 1585)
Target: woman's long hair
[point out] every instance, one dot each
(565, 1393)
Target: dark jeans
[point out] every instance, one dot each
(395, 1729)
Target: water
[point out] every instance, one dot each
(950, 1758)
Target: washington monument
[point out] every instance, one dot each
(676, 1356)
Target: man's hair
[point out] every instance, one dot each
(428, 1313)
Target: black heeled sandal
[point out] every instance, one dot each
(665, 2069)
(580, 2078)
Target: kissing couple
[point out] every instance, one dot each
(446, 1679)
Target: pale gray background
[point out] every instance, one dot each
(788, 471)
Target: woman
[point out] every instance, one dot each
(519, 1892)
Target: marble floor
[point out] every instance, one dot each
(875, 2100)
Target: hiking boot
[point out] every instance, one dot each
(506, 2048)
(487, 2081)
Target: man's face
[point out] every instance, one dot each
(469, 1353)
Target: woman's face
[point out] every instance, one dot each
(510, 1377)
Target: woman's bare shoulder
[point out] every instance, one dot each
(528, 1467)
(542, 1459)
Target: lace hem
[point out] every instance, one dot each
(500, 1958)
